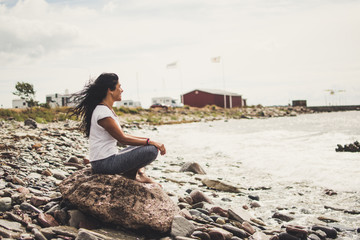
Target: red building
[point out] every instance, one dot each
(203, 97)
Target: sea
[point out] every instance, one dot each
(294, 149)
(294, 158)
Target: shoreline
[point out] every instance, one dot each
(38, 159)
(158, 116)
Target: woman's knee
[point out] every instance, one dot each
(153, 151)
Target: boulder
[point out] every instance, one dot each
(118, 200)
(192, 167)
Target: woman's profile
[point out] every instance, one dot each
(102, 127)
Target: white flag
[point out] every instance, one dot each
(172, 65)
(215, 59)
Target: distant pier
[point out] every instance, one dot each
(335, 108)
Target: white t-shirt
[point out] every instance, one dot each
(102, 144)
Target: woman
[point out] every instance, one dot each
(101, 125)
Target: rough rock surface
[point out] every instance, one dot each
(118, 200)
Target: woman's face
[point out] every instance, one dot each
(116, 94)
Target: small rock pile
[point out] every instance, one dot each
(205, 221)
(352, 147)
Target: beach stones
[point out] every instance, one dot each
(35, 161)
(330, 232)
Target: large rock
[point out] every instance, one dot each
(118, 200)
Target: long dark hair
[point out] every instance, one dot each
(92, 94)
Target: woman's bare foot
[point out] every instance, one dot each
(142, 177)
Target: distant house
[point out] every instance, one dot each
(128, 103)
(19, 103)
(167, 101)
(220, 98)
(297, 103)
(59, 100)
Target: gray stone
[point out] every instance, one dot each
(51, 232)
(259, 236)
(239, 215)
(38, 234)
(29, 207)
(12, 226)
(8, 233)
(181, 227)
(111, 234)
(192, 167)
(313, 237)
(87, 235)
(5, 204)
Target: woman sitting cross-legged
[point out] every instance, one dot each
(101, 125)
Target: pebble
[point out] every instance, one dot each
(5, 204)
(181, 227)
(254, 197)
(236, 231)
(282, 217)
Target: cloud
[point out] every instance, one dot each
(30, 30)
(266, 44)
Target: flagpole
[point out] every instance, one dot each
(181, 86)
(223, 77)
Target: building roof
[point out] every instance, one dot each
(215, 91)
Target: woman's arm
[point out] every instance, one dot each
(115, 131)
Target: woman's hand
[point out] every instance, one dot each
(159, 146)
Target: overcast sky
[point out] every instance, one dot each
(272, 51)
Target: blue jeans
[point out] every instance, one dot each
(127, 160)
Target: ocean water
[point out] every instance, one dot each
(289, 162)
(263, 151)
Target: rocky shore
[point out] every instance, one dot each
(159, 116)
(37, 158)
(352, 147)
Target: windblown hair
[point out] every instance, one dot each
(92, 94)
